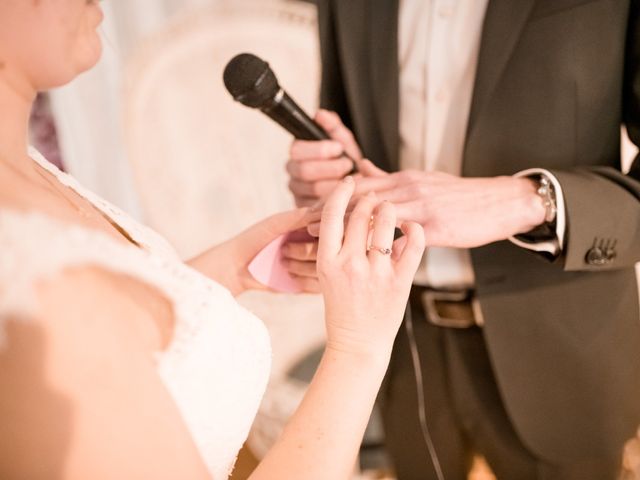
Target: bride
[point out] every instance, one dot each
(117, 360)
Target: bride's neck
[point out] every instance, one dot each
(16, 100)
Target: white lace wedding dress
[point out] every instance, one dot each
(217, 365)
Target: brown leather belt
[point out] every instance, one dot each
(449, 308)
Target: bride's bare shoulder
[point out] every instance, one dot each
(77, 372)
(96, 304)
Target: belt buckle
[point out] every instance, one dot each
(430, 297)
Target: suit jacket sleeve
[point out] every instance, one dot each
(602, 204)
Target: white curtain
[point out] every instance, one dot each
(88, 111)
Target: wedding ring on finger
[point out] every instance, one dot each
(382, 250)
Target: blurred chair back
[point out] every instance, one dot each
(206, 167)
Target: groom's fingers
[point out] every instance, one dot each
(307, 284)
(302, 269)
(302, 251)
(332, 123)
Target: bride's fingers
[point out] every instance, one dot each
(332, 222)
(413, 250)
(384, 224)
(355, 238)
(313, 228)
(258, 236)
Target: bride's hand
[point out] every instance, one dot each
(228, 262)
(365, 289)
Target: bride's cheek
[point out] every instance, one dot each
(88, 46)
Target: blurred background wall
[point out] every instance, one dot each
(153, 130)
(89, 112)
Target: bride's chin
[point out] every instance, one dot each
(90, 55)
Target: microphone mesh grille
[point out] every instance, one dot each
(250, 80)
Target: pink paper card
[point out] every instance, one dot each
(268, 267)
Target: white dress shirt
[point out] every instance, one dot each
(439, 42)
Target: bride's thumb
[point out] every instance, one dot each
(258, 236)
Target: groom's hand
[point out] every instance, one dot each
(315, 167)
(454, 211)
(461, 212)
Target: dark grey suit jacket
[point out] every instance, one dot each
(555, 81)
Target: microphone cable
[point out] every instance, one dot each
(408, 317)
(422, 408)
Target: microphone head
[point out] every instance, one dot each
(250, 80)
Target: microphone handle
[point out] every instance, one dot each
(286, 112)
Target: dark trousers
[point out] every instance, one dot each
(464, 410)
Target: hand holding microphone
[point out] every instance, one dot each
(287, 264)
(323, 153)
(251, 82)
(324, 150)
(315, 167)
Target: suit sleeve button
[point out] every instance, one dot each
(595, 256)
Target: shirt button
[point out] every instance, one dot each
(445, 11)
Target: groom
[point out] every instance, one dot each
(529, 343)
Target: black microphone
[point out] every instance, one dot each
(251, 82)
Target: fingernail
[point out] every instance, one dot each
(337, 150)
(308, 249)
(348, 179)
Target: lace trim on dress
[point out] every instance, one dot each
(144, 236)
(35, 247)
(217, 364)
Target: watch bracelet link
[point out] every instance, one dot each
(547, 193)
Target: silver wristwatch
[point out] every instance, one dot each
(548, 195)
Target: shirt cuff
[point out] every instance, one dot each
(555, 245)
